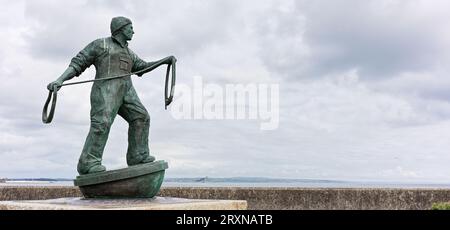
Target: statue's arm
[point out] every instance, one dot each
(67, 75)
(78, 64)
(140, 65)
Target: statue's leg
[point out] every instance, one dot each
(138, 119)
(104, 107)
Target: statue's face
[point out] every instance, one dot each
(128, 31)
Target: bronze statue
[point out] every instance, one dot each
(112, 93)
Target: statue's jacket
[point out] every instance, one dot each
(111, 58)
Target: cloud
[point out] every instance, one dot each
(378, 38)
(161, 27)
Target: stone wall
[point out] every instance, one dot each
(37, 192)
(274, 198)
(322, 199)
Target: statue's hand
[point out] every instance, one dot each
(172, 59)
(54, 85)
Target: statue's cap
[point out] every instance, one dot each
(118, 22)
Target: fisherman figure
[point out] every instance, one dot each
(112, 57)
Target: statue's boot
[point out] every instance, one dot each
(139, 159)
(97, 169)
(148, 159)
(84, 168)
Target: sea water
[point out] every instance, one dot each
(258, 184)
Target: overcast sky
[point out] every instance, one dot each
(364, 86)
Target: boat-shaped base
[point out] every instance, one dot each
(140, 181)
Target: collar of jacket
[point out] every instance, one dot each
(123, 45)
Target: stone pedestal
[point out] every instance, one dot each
(156, 203)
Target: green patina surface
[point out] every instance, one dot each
(120, 174)
(141, 181)
(112, 57)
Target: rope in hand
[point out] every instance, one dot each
(168, 97)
